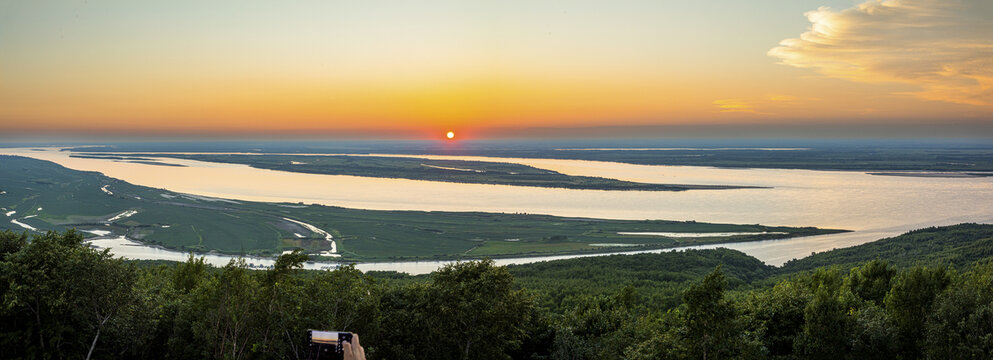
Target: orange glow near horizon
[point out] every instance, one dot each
(414, 71)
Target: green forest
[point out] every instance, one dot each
(927, 294)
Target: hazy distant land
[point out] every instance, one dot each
(856, 155)
(474, 172)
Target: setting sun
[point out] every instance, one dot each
(450, 135)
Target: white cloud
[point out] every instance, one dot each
(945, 47)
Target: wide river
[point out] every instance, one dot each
(872, 205)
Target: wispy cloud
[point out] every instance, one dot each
(945, 47)
(735, 106)
(782, 98)
(759, 106)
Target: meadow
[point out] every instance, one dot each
(46, 196)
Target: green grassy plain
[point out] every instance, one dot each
(75, 199)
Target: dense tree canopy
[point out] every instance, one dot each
(63, 299)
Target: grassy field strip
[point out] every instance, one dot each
(452, 168)
(700, 235)
(427, 168)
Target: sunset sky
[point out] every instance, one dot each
(415, 69)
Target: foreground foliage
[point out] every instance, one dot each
(62, 299)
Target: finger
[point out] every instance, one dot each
(347, 349)
(356, 338)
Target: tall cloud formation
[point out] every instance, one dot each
(943, 46)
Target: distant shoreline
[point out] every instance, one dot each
(413, 168)
(930, 174)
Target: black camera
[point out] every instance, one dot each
(327, 344)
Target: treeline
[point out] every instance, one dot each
(62, 299)
(659, 279)
(957, 246)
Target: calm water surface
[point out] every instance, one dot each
(874, 206)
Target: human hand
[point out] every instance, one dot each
(353, 351)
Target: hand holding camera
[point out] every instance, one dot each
(335, 345)
(353, 351)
